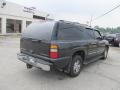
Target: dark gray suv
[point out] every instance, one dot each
(62, 45)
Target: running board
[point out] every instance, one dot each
(93, 60)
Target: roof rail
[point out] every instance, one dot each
(76, 23)
(69, 22)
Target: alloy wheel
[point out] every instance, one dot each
(77, 66)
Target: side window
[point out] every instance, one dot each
(70, 34)
(97, 34)
(89, 34)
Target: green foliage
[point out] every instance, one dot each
(108, 30)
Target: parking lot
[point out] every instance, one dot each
(100, 75)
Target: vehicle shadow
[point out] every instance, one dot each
(58, 75)
(51, 75)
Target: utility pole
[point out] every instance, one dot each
(91, 21)
(47, 16)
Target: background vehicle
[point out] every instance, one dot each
(117, 40)
(113, 39)
(109, 38)
(61, 44)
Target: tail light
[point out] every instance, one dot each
(53, 51)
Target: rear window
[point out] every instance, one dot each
(38, 30)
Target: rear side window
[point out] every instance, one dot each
(41, 31)
(70, 34)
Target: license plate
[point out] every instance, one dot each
(31, 59)
(44, 67)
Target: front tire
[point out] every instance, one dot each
(105, 53)
(76, 66)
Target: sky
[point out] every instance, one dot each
(78, 10)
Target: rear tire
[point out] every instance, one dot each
(76, 66)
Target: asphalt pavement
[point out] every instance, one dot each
(100, 75)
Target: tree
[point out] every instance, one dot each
(108, 29)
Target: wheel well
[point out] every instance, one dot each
(107, 47)
(81, 53)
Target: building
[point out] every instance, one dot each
(15, 18)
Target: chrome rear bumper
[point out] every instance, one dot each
(39, 63)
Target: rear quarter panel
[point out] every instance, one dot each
(68, 48)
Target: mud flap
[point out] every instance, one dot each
(29, 66)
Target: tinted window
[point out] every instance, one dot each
(41, 31)
(65, 25)
(89, 34)
(97, 34)
(70, 34)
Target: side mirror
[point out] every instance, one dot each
(100, 38)
(103, 37)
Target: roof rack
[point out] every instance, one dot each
(76, 23)
(69, 22)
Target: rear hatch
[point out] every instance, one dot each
(36, 39)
